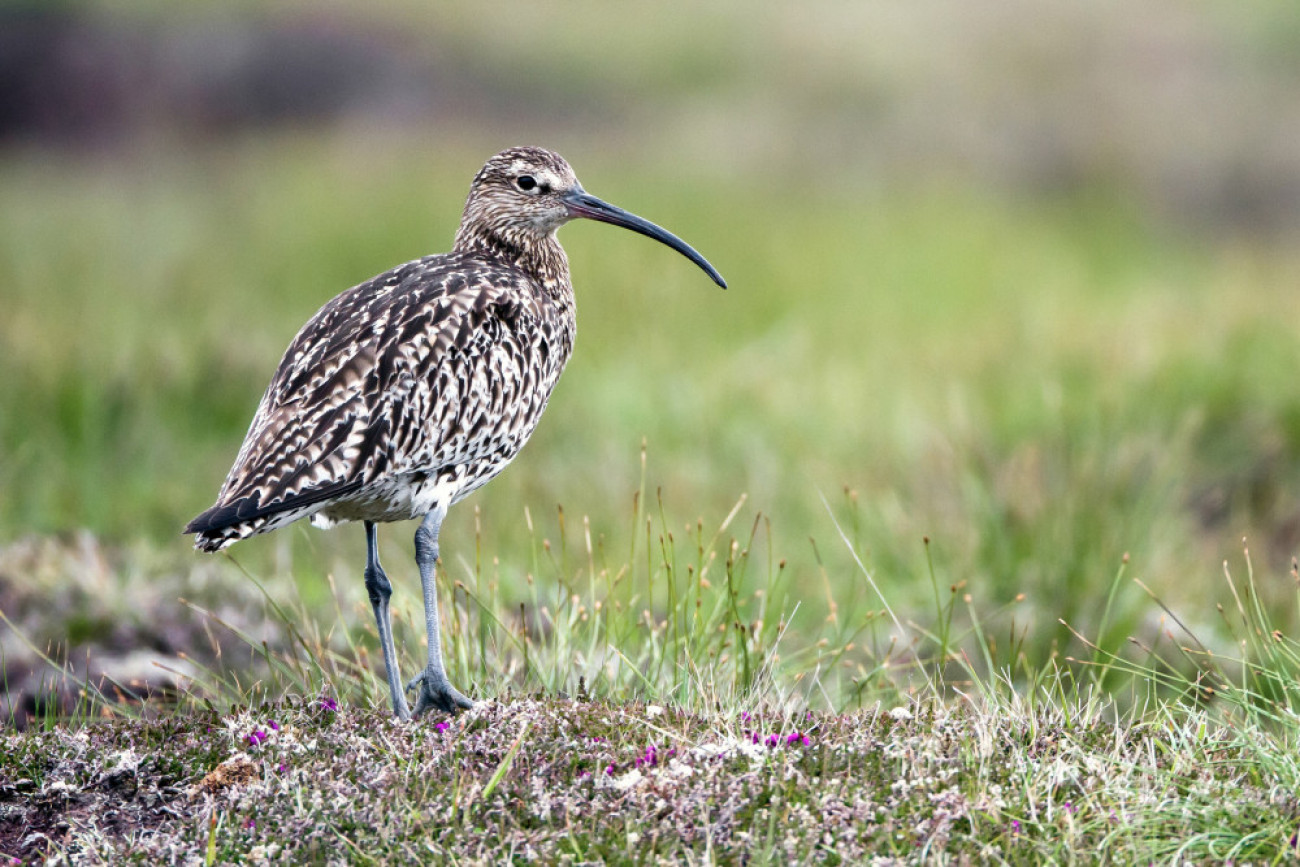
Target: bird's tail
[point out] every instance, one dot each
(210, 538)
(226, 523)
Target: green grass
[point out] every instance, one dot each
(961, 425)
(1041, 389)
(608, 736)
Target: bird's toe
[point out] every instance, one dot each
(434, 691)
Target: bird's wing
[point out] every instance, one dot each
(415, 369)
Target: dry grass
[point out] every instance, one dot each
(564, 780)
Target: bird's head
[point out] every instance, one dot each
(523, 195)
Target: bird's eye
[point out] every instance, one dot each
(526, 183)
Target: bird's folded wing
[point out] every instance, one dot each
(425, 366)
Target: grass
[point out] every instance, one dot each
(1040, 389)
(624, 784)
(611, 736)
(936, 499)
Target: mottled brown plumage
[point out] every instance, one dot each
(406, 393)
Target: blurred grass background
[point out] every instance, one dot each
(1019, 278)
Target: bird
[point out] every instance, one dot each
(406, 393)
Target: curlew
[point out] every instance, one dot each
(411, 390)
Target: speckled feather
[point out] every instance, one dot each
(416, 387)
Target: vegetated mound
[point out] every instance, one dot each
(548, 778)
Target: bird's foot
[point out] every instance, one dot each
(435, 691)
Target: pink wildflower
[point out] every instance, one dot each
(650, 759)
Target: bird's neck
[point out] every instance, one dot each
(542, 259)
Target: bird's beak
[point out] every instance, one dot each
(582, 204)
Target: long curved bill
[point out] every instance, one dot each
(582, 204)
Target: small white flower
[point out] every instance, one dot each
(628, 780)
(680, 769)
(900, 713)
(653, 710)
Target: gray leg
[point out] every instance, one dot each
(379, 589)
(433, 688)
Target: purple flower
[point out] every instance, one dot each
(609, 769)
(275, 726)
(650, 759)
(250, 824)
(282, 767)
(328, 703)
(1015, 826)
(256, 738)
(797, 738)
(442, 726)
(772, 740)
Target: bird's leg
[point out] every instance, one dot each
(379, 589)
(433, 688)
